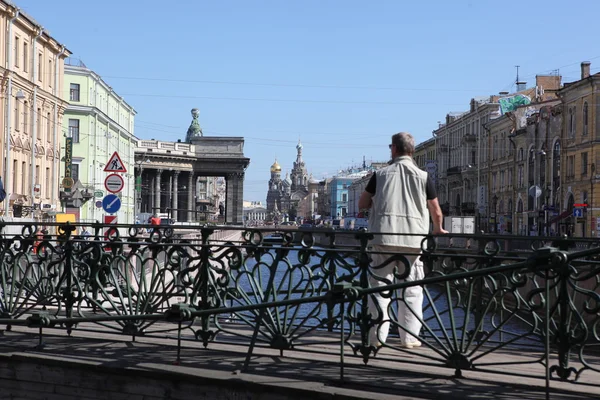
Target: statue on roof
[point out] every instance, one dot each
(194, 130)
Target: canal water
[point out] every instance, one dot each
(444, 311)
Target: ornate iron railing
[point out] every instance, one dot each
(486, 305)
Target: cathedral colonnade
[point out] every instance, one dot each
(199, 180)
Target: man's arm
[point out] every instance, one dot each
(365, 201)
(436, 216)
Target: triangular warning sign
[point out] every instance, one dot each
(115, 164)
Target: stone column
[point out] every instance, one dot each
(156, 208)
(175, 193)
(191, 197)
(151, 195)
(234, 198)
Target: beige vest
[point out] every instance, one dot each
(400, 204)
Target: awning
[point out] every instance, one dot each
(563, 215)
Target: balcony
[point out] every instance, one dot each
(470, 138)
(453, 171)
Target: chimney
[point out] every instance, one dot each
(521, 86)
(585, 69)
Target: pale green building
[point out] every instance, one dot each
(100, 123)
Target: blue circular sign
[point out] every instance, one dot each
(111, 203)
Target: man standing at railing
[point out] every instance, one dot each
(402, 197)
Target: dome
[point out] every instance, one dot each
(275, 167)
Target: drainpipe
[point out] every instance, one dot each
(33, 114)
(54, 183)
(9, 62)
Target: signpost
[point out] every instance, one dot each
(111, 203)
(68, 164)
(115, 164)
(114, 183)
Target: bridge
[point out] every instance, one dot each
(217, 313)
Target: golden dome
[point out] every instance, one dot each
(275, 167)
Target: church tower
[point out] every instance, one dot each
(299, 176)
(275, 186)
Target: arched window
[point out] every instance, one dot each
(585, 118)
(520, 206)
(531, 166)
(570, 202)
(510, 206)
(520, 158)
(543, 167)
(572, 121)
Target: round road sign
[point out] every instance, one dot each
(99, 204)
(67, 182)
(114, 183)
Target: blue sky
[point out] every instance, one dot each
(342, 76)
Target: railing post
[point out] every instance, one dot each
(331, 280)
(67, 292)
(366, 320)
(204, 276)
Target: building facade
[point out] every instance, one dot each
(32, 64)
(465, 151)
(98, 123)
(580, 154)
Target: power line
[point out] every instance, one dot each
(162, 96)
(291, 85)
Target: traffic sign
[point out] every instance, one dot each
(99, 204)
(578, 212)
(98, 193)
(115, 164)
(111, 203)
(114, 183)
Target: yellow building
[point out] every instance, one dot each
(32, 64)
(580, 153)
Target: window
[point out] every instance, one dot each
(25, 117)
(510, 178)
(520, 176)
(37, 174)
(585, 118)
(531, 167)
(25, 57)
(572, 119)
(48, 185)
(74, 130)
(15, 176)
(17, 119)
(584, 164)
(23, 177)
(344, 197)
(75, 172)
(17, 54)
(50, 73)
(48, 127)
(39, 123)
(74, 92)
(501, 180)
(570, 166)
(40, 66)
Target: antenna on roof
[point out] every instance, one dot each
(520, 85)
